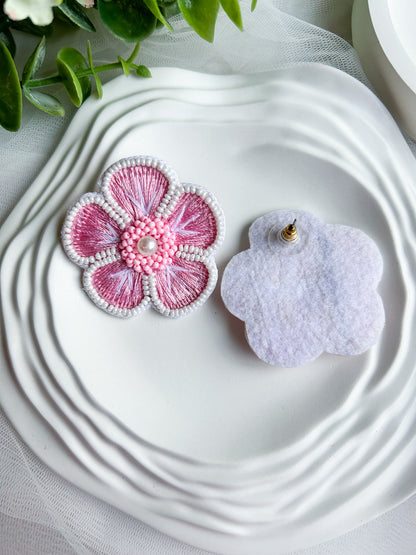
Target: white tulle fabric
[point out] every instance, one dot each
(42, 513)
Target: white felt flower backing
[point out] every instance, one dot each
(300, 299)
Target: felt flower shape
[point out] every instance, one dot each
(39, 11)
(145, 239)
(303, 298)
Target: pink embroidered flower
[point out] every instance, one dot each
(145, 239)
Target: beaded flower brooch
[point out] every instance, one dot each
(305, 287)
(145, 240)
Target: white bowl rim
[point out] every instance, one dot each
(390, 42)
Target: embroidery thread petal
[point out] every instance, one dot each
(194, 221)
(90, 230)
(138, 189)
(182, 286)
(116, 288)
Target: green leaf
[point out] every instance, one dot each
(45, 102)
(253, 5)
(7, 38)
(232, 9)
(201, 16)
(96, 78)
(154, 8)
(76, 14)
(169, 8)
(69, 62)
(129, 20)
(35, 61)
(26, 26)
(124, 65)
(143, 71)
(10, 93)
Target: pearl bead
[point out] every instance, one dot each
(147, 245)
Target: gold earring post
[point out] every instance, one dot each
(290, 233)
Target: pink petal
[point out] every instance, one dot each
(116, 284)
(180, 284)
(138, 190)
(91, 231)
(193, 221)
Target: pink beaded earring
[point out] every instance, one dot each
(144, 239)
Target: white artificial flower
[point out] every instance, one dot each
(39, 11)
(86, 3)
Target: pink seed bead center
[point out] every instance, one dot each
(147, 245)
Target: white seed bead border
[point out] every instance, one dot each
(150, 295)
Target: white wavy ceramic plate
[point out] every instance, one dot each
(383, 35)
(175, 421)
